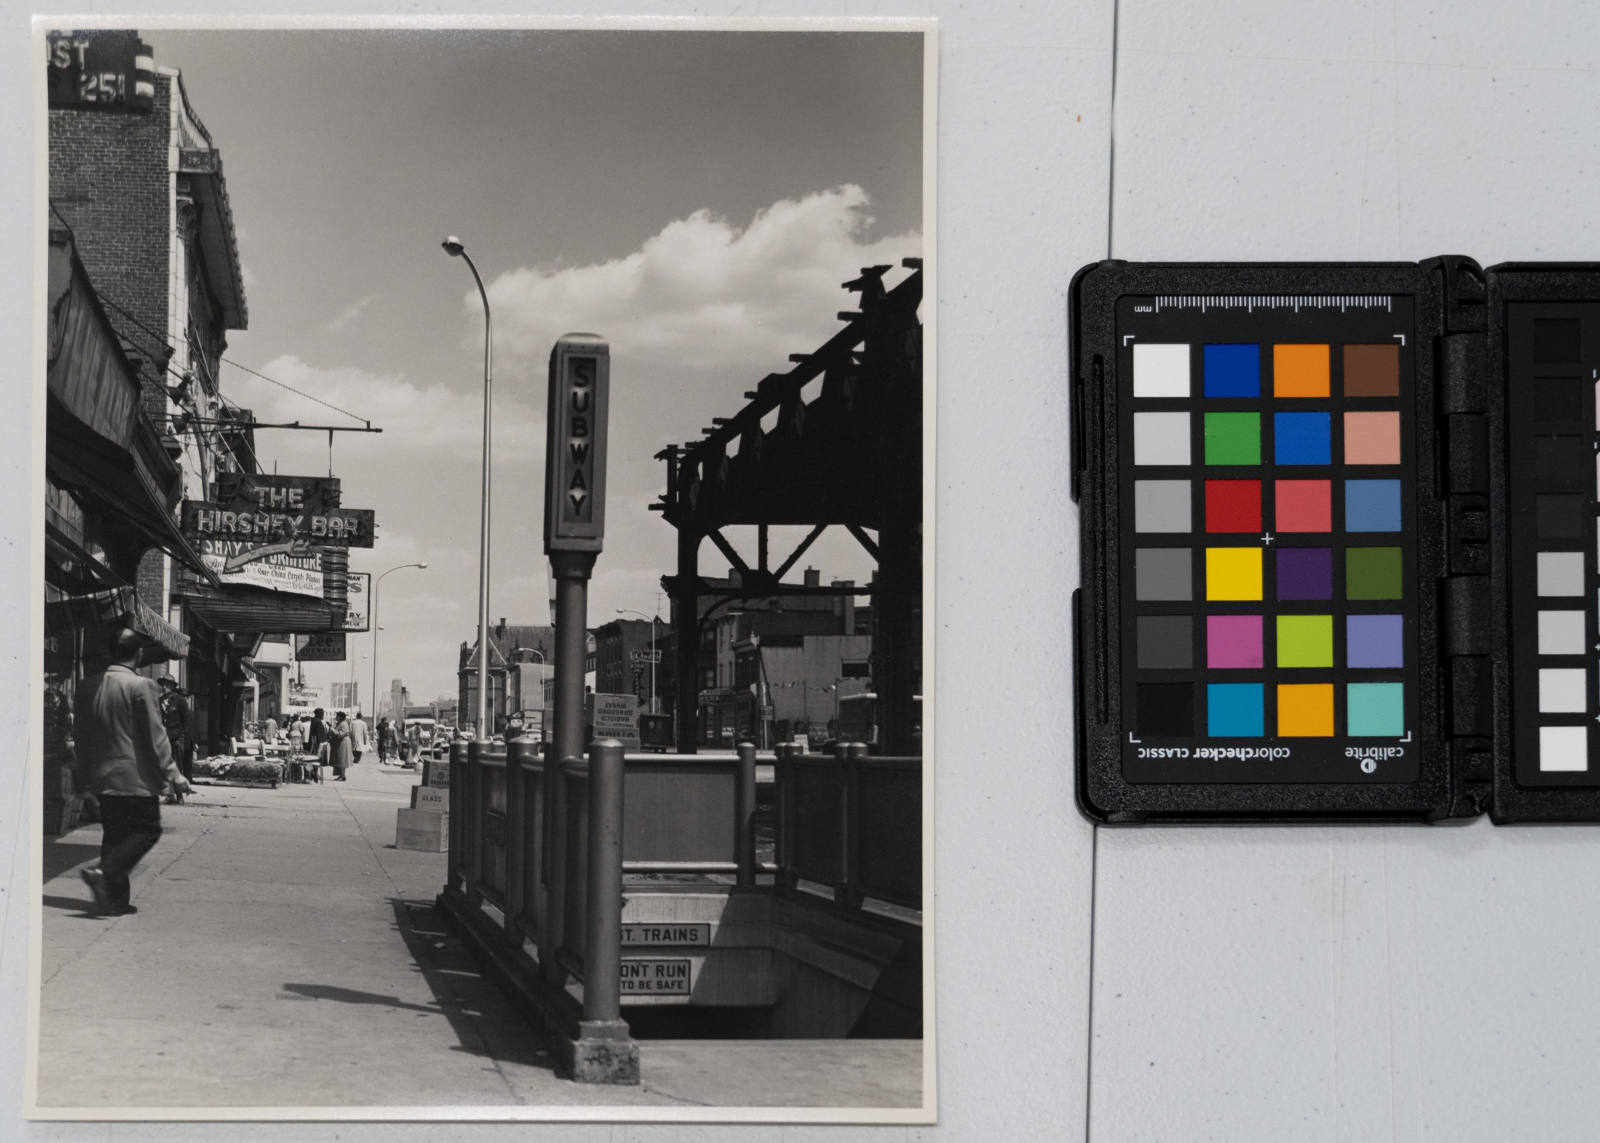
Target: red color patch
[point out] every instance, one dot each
(1233, 505)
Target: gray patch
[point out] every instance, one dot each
(1163, 573)
(1166, 642)
(1161, 506)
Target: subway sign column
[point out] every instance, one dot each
(574, 532)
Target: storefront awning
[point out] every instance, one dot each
(98, 439)
(236, 608)
(120, 605)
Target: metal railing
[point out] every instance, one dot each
(541, 841)
(851, 821)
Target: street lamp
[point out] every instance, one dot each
(375, 629)
(654, 619)
(453, 247)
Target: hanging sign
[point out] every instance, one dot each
(320, 647)
(358, 589)
(575, 444)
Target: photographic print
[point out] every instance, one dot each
(484, 571)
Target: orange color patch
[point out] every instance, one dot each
(1305, 710)
(1299, 370)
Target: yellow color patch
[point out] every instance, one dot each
(1233, 573)
(1305, 710)
(1299, 370)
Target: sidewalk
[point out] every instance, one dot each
(285, 954)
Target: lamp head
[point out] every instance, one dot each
(423, 564)
(452, 246)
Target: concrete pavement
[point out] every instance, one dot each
(285, 954)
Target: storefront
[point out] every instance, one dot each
(110, 491)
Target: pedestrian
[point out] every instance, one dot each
(175, 717)
(317, 740)
(124, 758)
(339, 741)
(297, 749)
(269, 730)
(385, 739)
(358, 737)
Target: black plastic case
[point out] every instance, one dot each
(1458, 761)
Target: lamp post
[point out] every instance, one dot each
(654, 619)
(376, 629)
(453, 247)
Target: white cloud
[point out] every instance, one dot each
(352, 311)
(427, 418)
(704, 293)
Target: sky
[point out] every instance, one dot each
(696, 198)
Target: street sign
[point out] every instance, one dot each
(613, 716)
(646, 658)
(320, 647)
(666, 933)
(655, 977)
(575, 444)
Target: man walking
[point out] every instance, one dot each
(358, 736)
(125, 759)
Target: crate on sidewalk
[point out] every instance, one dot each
(430, 798)
(425, 831)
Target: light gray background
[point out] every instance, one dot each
(1319, 984)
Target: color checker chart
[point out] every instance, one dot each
(1267, 500)
(1553, 362)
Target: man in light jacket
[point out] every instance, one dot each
(125, 759)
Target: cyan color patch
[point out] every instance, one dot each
(1232, 370)
(1375, 710)
(1233, 710)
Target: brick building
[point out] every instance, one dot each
(136, 183)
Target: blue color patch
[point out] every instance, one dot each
(1233, 710)
(1372, 506)
(1301, 438)
(1233, 370)
(1375, 710)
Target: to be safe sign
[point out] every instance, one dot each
(575, 444)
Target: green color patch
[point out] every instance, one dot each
(1233, 438)
(1305, 640)
(1372, 573)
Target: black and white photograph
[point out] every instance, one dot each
(484, 570)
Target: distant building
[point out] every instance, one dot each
(622, 657)
(521, 658)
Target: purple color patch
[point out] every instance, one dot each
(1233, 642)
(1373, 641)
(1305, 573)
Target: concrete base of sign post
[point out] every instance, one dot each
(587, 1051)
(605, 1052)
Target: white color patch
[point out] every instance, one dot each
(1563, 748)
(1563, 690)
(1561, 632)
(1160, 370)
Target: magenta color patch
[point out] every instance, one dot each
(1233, 642)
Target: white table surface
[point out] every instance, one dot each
(1248, 984)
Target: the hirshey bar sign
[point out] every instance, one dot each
(575, 453)
(270, 509)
